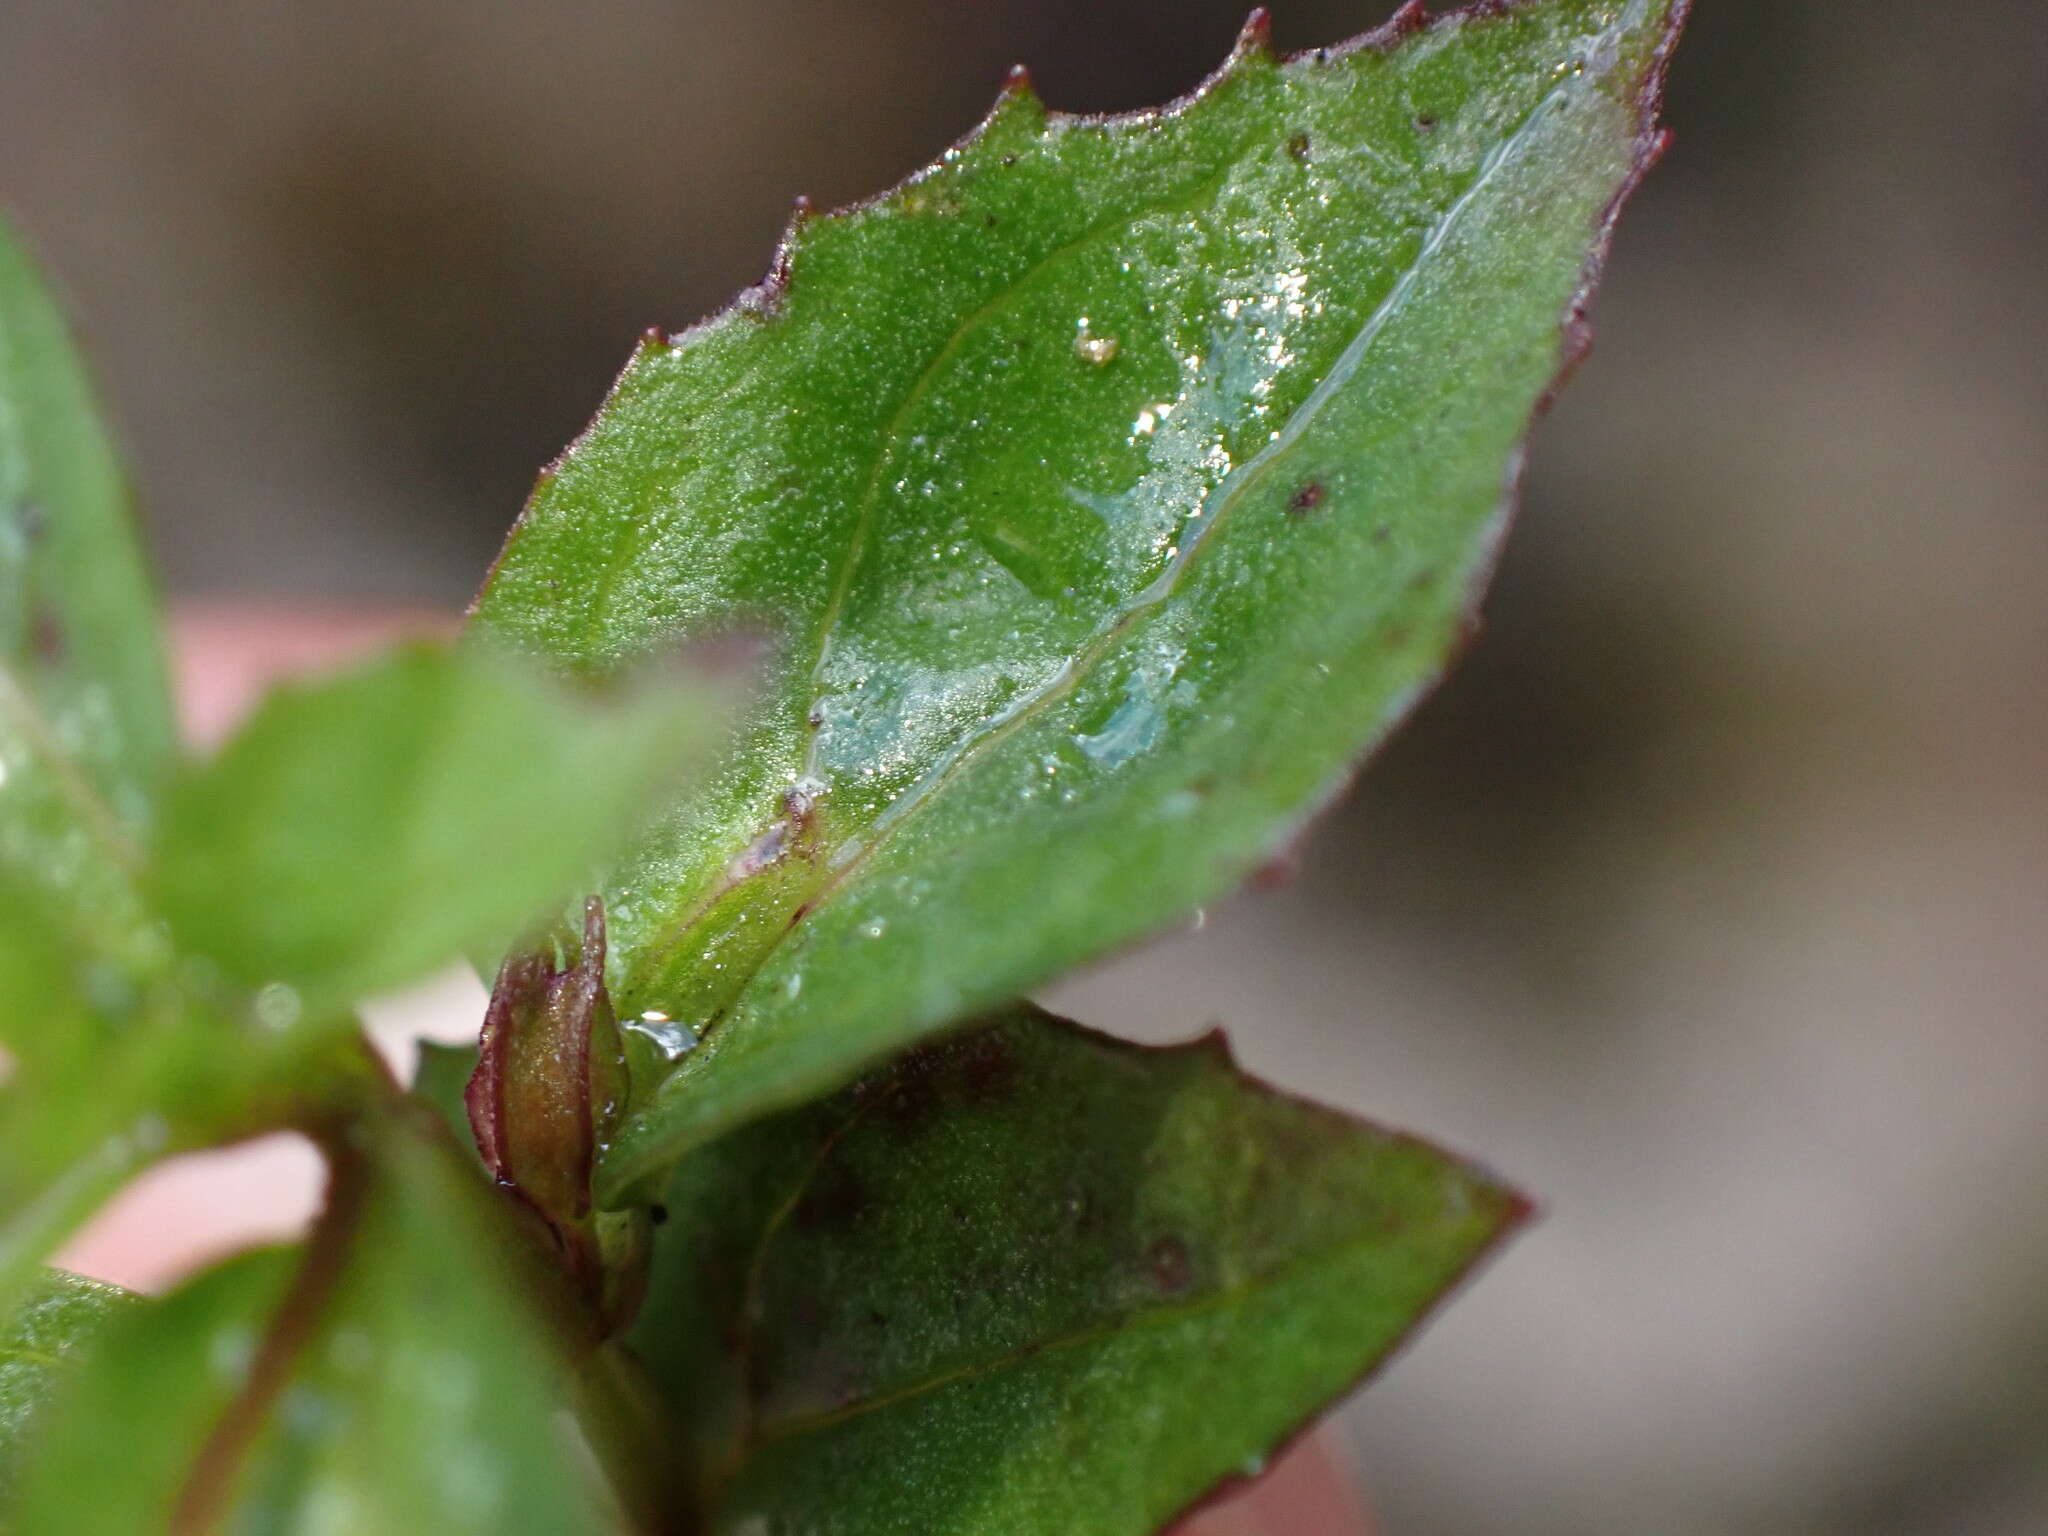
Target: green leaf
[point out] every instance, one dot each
(1036, 1280)
(1106, 489)
(86, 729)
(165, 1375)
(389, 1377)
(440, 1074)
(88, 1008)
(362, 829)
(39, 1341)
(82, 1109)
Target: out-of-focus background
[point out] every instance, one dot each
(1710, 899)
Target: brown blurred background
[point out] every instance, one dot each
(1710, 899)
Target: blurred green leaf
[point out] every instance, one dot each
(1034, 1280)
(362, 829)
(439, 1077)
(1108, 488)
(39, 1341)
(166, 1375)
(86, 737)
(82, 1107)
(86, 729)
(390, 1377)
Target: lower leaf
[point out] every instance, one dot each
(1037, 1280)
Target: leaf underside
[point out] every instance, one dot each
(1102, 492)
(1033, 1280)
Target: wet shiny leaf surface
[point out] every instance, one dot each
(1103, 491)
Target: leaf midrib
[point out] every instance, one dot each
(892, 436)
(1143, 1320)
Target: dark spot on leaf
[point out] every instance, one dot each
(876, 1319)
(49, 637)
(657, 1214)
(1425, 124)
(1307, 499)
(1171, 1267)
(988, 1069)
(1298, 146)
(1381, 534)
(834, 1201)
(914, 1103)
(1009, 159)
(989, 219)
(806, 1314)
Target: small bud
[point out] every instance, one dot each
(549, 1085)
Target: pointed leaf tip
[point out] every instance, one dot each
(1017, 83)
(1255, 37)
(1413, 16)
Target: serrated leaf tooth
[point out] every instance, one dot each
(1018, 82)
(1254, 38)
(1413, 16)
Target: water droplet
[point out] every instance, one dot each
(230, 1353)
(673, 1040)
(1093, 349)
(277, 1006)
(874, 927)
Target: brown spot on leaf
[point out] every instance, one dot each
(834, 1201)
(1307, 499)
(988, 1069)
(49, 637)
(914, 1101)
(1172, 1270)
(1298, 146)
